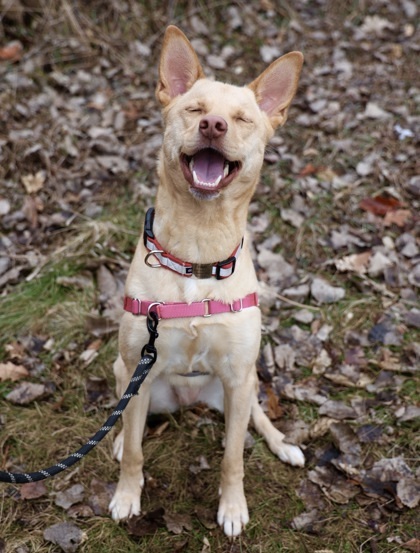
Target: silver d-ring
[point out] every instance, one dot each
(155, 304)
(153, 265)
(233, 310)
(206, 302)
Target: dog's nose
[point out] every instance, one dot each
(213, 126)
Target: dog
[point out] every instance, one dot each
(193, 268)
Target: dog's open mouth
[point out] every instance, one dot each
(208, 170)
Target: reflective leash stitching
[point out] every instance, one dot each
(148, 358)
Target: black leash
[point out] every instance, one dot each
(148, 358)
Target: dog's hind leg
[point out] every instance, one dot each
(126, 500)
(275, 439)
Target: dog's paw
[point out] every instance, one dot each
(118, 446)
(126, 501)
(290, 454)
(232, 514)
(124, 504)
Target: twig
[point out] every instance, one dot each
(296, 303)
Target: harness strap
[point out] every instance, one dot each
(203, 308)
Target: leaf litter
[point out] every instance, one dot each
(333, 227)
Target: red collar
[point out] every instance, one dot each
(218, 270)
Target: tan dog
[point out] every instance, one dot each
(209, 166)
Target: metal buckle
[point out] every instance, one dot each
(202, 270)
(207, 302)
(233, 310)
(155, 304)
(153, 265)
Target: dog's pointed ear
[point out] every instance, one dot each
(179, 67)
(276, 86)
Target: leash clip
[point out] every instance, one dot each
(152, 322)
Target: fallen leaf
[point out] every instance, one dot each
(12, 51)
(293, 217)
(34, 183)
(10, 371)
(66, 535)
(333, 485)
(26, 392)
(345, 438)
(177, 523)
(412, 545)
(309, 169)
(274, 409)
(369, 433)
(69, 497)
(356, 263)
(97, 389)
(337, 410)
(91, 352)
(100, 494)
(147, 524)
(408, 491)
(399, 217)
(206, 517)
(203, 464)
(323, 292)
(373, 111)
(80, 510)
(380, 205)
(33, 490)
(305, 521)
(285, 357)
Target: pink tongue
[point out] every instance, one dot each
(208, 165)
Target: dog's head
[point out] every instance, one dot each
(216, 133)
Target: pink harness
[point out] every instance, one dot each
(203, 308)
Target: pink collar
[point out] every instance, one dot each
(204, 308)
(218, 270)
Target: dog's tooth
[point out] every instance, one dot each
(195, 178)
(226, 169)
(216, 182)
(191, 165)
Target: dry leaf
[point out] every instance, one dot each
(412, 545)
(69, 497)
(380, 205)
(323, 292)
(25, 393)
(10, 371)
(100, 495)
(34, 183)
(357, 263)
(177, 523)
(310, 169)
(274, 409)
(66, 535)
(33, 490)
(147, 524)
(12, 51)
(399, 217)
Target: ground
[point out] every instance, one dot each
(333, 224)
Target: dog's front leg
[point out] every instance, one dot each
(126, 500)
(233, 510)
